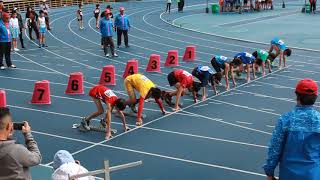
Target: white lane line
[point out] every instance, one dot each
(201, 105)
(33, 80)
(151, 154)
(266, 109)
(243, 122)
(149, 128)
(246, 107)
(38, 71)
(270, 126)
(228, 123)
(226, 37)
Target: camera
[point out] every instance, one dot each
(18, 126)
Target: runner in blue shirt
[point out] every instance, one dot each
(226, 65)
(206, 75)
(281, 49)
(249, 60)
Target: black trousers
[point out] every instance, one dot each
(108, 41)
(5, 50)
(312, 6)
(119, 36)
(33, 26)
(168, 7)
(20, 37)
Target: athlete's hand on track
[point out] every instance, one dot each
(164, 112)
(176, 108)
(108, 135)
(204, 98)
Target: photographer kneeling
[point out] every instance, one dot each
(15, 159)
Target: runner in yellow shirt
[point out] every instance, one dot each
(146, 89)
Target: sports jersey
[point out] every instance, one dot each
(103, 93)
(278, 42)
(203, 73)
(139, 82)
(222, 59)
(245, 57)
(183, 77)
(263, 55)
(96, 12)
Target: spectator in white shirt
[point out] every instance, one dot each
(14, 26)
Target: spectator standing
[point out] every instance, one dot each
(122, 27)
(15, 158)
(64, 166)
(31, 19)
(168, 6)
(296, 138)
(14, 28)
(5, 41)
(1, 8)
(96, 14)
(42, 29)
(45, 8)
(80, 16)
(106, 29)
(109, 8)
(313, 6)
(21, 26)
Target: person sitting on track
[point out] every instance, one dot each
(226, 66)
(146, 89)
(281, 49)
(205, 74)
(249, 60)
(181, 79)
(100, 94)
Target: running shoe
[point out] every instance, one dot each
(108, 55)
(13, 66)
(2, 67)
(133, 108)
(85, 124)
(103, 123)
(16, 49)
(115, 55)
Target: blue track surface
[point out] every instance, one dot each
(224, 137)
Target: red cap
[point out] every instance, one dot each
(121, 9)
(5, 15)
(307, 86)
(108, 11)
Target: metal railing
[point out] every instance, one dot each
(106, 170)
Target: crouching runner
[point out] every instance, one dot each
(182, 80)
(146, 89)
(103, 94)
(206, 75)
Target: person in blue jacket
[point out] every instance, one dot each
(226, 65)
(281, 49)
(123, 25)
(295, 142)
(5, 41)
(107, 30)
(248, 60)
(207, 75)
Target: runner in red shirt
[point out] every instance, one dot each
(103, 94)
(182, 80)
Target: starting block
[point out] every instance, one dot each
(97, 128)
